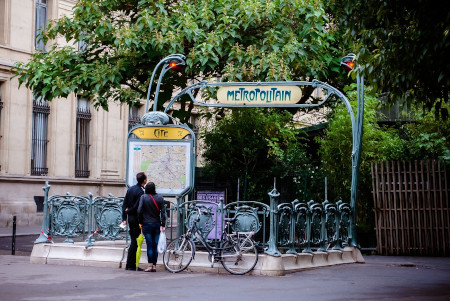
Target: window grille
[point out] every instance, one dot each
(40, 23)
(82, 45)
(193, 120)
(39, 135)
(82, 139)
(133, 117)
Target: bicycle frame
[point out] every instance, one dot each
(234, 250)
(225, 237)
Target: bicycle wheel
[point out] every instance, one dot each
(239, 259)
(178, 255)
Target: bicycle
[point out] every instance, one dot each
(236, 251)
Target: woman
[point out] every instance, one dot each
(152, 221)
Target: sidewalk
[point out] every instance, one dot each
(21, 231)
(382, 278)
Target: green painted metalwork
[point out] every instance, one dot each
(246, 220)
(272, 243)
(344, 211)
(72, 216)
(179, 59)
(68, 215)
(250, 216)
(357, 146)
(357, 123)
(205, 222)
(292, 226)
(107, 216)
(43, 237)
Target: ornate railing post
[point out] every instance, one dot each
(344, 225)
(180, 219)
(292, 249)
(323, 230)
(222, 216)
(308, 228)
(272, 248)
(313, 210)
(43, 237)
(90, 215)
(337, 242)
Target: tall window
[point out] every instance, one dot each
(82, 139)
(41, 23)
(133, 117)
(39, 141)
(193, 120)
(82, 45)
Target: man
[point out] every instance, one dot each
(129, 209)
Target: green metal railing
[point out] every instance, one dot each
(81, 217)
(279, 228)
(288, 227)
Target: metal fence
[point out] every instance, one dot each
(279, 228)
(411, 204)
(82, 218)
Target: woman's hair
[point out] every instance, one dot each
(150, 188)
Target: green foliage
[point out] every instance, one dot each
(425, 138)
(125, 39)
(257, 143)
(336, 147)
(402, 47)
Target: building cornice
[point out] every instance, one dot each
(61, 180)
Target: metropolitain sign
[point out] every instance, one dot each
(259, 95)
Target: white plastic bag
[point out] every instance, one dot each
(162, 242)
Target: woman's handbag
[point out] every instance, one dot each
(162, 242)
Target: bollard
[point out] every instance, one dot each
(13, 246)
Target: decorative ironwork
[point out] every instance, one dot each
(295, 226)
(68, 215)
(152, 118)
(246, 219)
(107, 216)
(205, 224)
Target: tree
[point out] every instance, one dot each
(254, 145)
(125, 39)
(402, 47)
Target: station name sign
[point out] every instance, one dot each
(161, 132)
(259, 95)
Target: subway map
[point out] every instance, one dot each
(166, 164)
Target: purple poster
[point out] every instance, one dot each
(213, 196)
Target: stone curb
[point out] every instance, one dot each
(109, 254)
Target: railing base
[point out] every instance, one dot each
(113, 254)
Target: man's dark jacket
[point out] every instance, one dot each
(131, 201)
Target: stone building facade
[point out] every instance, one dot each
(66, 142)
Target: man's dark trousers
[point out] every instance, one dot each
(131, 258)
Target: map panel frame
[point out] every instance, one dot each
(183, 146)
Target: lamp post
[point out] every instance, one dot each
(348, 62)
(170, 62)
